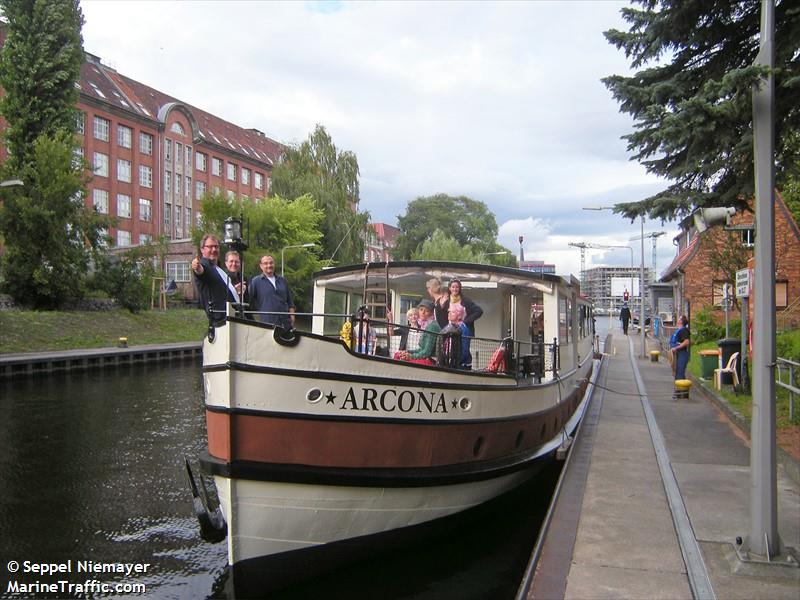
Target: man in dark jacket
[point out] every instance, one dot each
(213, 283)
(625, 317)
(269, 294)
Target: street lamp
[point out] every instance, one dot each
(307, 245)
(11, 183)
(641, 281)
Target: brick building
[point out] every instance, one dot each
(697, 284)
(379, 242)
(154, 156)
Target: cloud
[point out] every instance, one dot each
(498, 101)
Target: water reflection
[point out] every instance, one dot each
(92, 470)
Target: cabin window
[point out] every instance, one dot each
(564, 317)
(335, 303)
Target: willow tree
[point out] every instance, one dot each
(691, 98)
(331, 177)
(48, 232)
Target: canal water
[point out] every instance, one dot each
(91, 467)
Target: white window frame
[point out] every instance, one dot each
(178, 271)
(124, 206)
(259, 181)
(145, 210)
(200, 189)
(80, 122)
(122, 233)
(145, 143)
(100, 200)
(123, 170)
(201, 161)
(245, 176)
(101, 128)
(124, 136)
(216, 166)
(231, 172)
(100, 164)
(145, 176)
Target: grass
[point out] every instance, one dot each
(743, 403)
(34, 331)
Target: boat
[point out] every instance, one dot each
(314, 445)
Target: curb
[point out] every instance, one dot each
(790, 465)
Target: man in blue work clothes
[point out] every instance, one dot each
(679, 346)
(270, 296)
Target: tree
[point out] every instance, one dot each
(39, 65)
(330, 176)
(469, 222)
(48, 232)
(443, 247)
(691, 100)
(128, 277)
(269, 226)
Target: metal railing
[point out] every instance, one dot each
(787, 367)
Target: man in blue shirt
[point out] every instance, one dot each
(270, 296)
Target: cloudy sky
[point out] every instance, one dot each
(498, 101)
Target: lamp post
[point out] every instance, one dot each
(641, 281)
(232, 237)
(285, 248)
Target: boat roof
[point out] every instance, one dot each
(416, 273)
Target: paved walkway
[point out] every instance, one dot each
(626, 528)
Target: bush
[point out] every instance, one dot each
(787, 345)
(705, 328)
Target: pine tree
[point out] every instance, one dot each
(48, 232)
(691, 98)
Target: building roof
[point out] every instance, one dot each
(100, 83)
(680, 260)
(387, 233)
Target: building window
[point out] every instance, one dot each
(178, 186)
(231, 195)
(167, 185)
(188, 190)
(77, 157)
(748, 237)
(200, 161)
(123, 237)
(100, 201)
(781, 294)
(144, 239)
(259, 181)
(80, 122)
(178, 272)
(188, 217)
(168, 151)
(145, 176)
(145, 210)
(216, 167)
(200, 189)
(101, 127)
(245, 176)
(178, 156)
(146, 143)
(188, 158)
(124, 170)
(231, 172)
(101, 164)
(177, 128)
(167, 215)
(124, 206)
(124, 136)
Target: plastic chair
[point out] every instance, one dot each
(731, 368)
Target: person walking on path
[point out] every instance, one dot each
(625, 317)
(679, 346)
(269, 294)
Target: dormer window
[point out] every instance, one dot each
(177, 128)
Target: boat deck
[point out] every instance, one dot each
(626, 527)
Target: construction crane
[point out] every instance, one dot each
(582, 246)
(654, 235)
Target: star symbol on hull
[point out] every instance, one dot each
(330, 396)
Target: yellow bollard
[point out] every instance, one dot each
(654, 354)
(682, 387)
(123, 342)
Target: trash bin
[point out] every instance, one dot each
(728, 347)
(709, 360)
